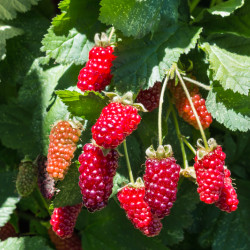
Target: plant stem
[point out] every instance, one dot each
(179, 135)
(128, 163)
(193, 5)
(197, 83)
(193, 108)
(189, 145)
(160, 110)
(43, 201)
(111, 33)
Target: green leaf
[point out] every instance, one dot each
(137, 18)
(232, 70)
(229, 108)
(87, 105)
(9, 8)
(226, 8)
(25, 243)
(140, 63)
(109, 229)
(8, 196)
(69, 193)
(118, 182)
(71, 36)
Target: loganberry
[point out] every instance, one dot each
(72, 243)
(63, 138)
(161, 179)
(210, 175)
(7, 231)
(150, 97)
(184, 108)
(96, 75)
(138, 211)
(115, 123)
(26, 178)
(228, 201)
(96, 176)
(46, 183)
(63, 220)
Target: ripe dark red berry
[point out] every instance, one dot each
(7, 231)
(150, 97)
(228, 201)
(138, 211)
(63, 138)
(210, 175)
(96, 176)
(46, 183)
(115, 123)
(161, 179)
(184, 108)
(96, 75)
(63, 220)
(72, 243)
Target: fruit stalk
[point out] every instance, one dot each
(196, 83)
(189, 145)
(128, 162)
(193, 108)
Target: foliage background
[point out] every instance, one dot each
(40, 57)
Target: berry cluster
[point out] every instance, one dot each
(96, 75)
(96, 176)
(138, 211)
(210, 175)
(7, 231)
(161, 179)
(63, 220)
(184, 108)
(26, 178)
(115, 123)
(63, 138)
(46, 183)
(228, 201)
(150, 97)
(72, 243)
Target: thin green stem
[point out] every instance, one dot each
(189, 145)
(197, 83)
(160, 110)
(168, 113)
(193, 5)
(179, 135)
(111, 33)
(128, 163)
(43, 201)
(193, 108)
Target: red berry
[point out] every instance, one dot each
(115, 123)
(7, 231)
(161, 179)
(228, 201)
(210, 175)
(96, 176)
(150, 97)
(138, 211)
(63, 138)
(63, 220)
(96, 75)
(184, 108)
(46, 183)
(72, 243)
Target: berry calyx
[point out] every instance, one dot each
(72, 243)
(209, 169)
(150, 97)
(63, 140)
(138, 211)
(26, 178)
(63, 220)
(46, 183)
(161, 179)
(7, 231)
(184, 108)
(115, 123)
(228, 201)
(96, 176)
